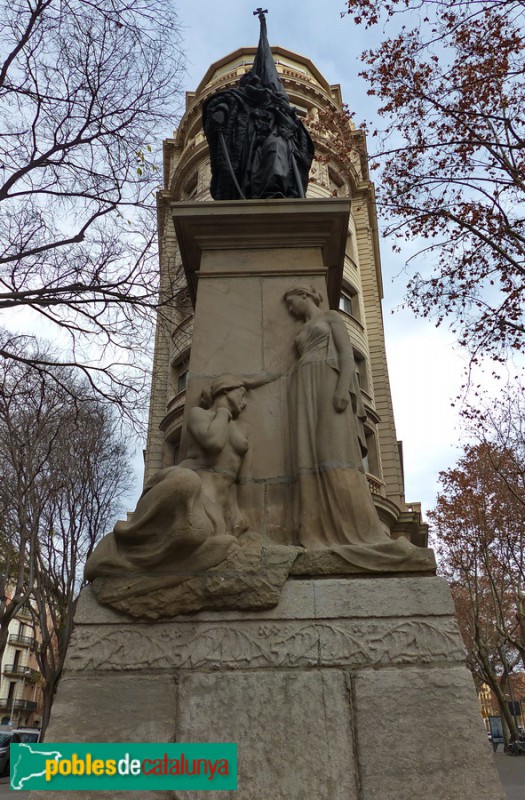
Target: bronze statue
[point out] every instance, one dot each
(259, 147)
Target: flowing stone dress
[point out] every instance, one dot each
(333, 504)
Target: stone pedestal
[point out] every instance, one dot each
(240, 257)
(349, 689)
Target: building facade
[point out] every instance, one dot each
(20, 681)
(513, 688)
(340, 169)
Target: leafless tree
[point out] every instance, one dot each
(63, 472)
(87, 87)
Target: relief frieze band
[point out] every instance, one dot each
(252, 645)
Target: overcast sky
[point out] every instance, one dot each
(425, 370)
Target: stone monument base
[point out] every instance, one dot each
(350, 689)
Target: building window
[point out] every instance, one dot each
(345, 304)
(336, 183)
(190, 187)
(180, 372)
(351, 249)
(371, 462)
(349, 301)
(361, 371)
(182, 381)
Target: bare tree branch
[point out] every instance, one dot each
(63, 472)
(85, 87)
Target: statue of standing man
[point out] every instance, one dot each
(259, 147)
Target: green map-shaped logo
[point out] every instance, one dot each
(29, 763)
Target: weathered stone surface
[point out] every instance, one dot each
(349, 688)
(244, 579)
(246, 255)
(114, 708)
(350, 560)
(50, 795)
(294, 731)
(330, 598)
(247, 578)
(111, 708)
(296, 601)
(332, 622)
(252, 645)
(420, 736)
(375, 597)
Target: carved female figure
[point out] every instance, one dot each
(333, 504)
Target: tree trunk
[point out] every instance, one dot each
(493, 682)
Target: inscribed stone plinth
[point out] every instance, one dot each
(349, 688)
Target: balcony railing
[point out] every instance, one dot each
(24, 705)
(375, 485)
(21, 672)
(17, 705)
(16, 669)
(25, 641)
